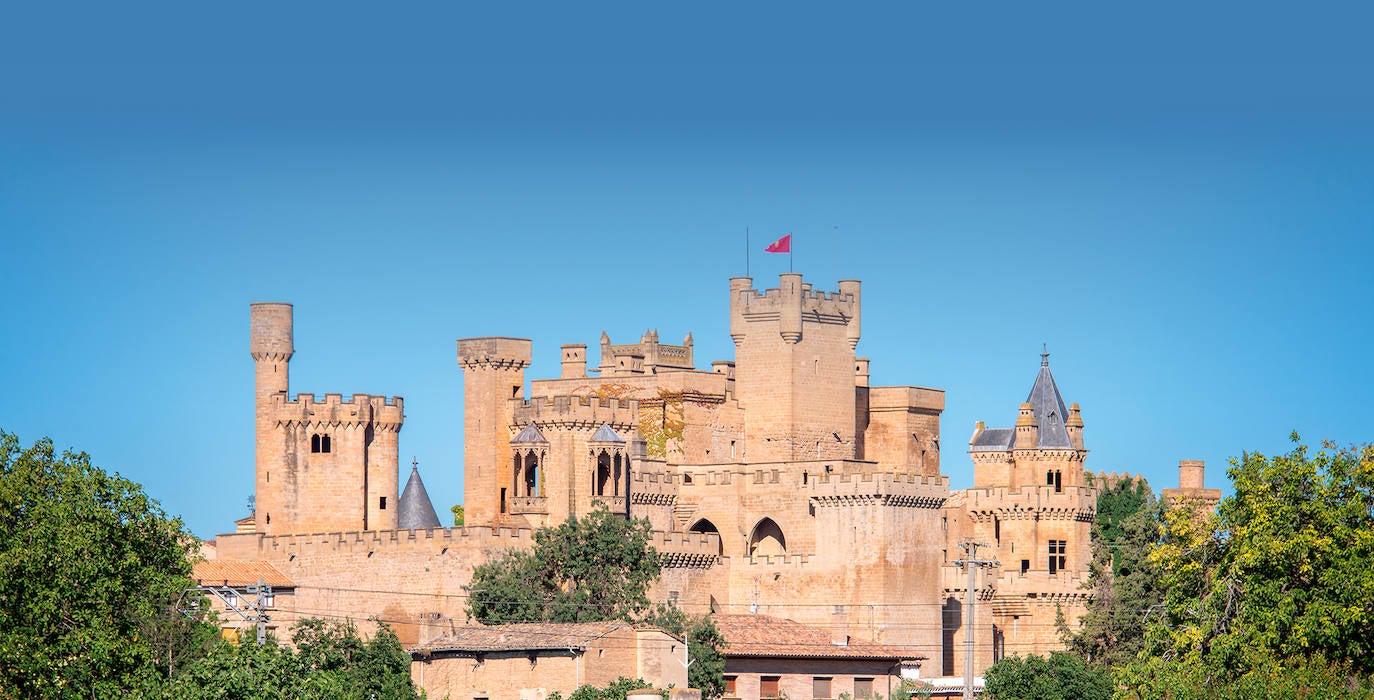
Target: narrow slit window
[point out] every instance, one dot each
(382, 503)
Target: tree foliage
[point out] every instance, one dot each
(1124, 584)
(1060, 676)
(705, 647)
(330, 661)
(592, 569)
(588, 569)
(90, 568)
(1281, 580)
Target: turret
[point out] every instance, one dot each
(1075, 426)
(574, 361)
(1027, 429)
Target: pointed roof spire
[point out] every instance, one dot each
(1045, 355)
(1048, 406)
(606, 434)
(415, 511)
(529, 434)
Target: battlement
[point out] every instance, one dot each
(816, 306)
(687, 549)
(1108, 480)
(365, 542)
(571, 411)
(494, 352)
(692, 385)
(905, 398)
(334, 409)
(1072, 503)
(644, 484)
(879, 488)
(771, 562)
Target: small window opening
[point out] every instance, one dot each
(1025, 565)
(1058, 558)
(1058, 486)
(382, 504)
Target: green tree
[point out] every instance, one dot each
(1282, 576)
(591, 569)
(588, 569)
(1123, 582)
(705, 646)
(89, 570)
(331, 661)
(457, 515)
(1061, 676)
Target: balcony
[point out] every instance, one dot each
(615, 504)
(529, 505)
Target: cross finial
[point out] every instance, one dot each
(414, 463)
(1045, 355)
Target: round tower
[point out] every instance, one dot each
(271, 346)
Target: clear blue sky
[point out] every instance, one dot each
(1176, 199)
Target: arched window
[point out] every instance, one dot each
(319, 443)
(706, 526)
(603, 473)
(767, 539)
(532, 485)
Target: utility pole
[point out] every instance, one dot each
(254, 610)
(971, 563)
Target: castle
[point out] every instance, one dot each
(780, 482)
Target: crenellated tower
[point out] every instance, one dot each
(493, 384)
(327, 465)
(1033, 507)
(795, 368)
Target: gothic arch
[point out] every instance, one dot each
(705, 526)
(766, 539)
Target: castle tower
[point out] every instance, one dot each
(574, 361)
(795, 368)
(320, 466)
(1191, 491)
(270, 344)
(493, 379)
(1031, 504)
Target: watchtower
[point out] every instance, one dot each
(795, 368)
(327, 465)
(493, 382)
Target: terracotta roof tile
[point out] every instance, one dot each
(524, 636)
(238, 572)
(766, 636)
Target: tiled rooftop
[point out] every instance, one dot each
(238, 572)
(766, 636)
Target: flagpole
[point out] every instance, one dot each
(746, 251)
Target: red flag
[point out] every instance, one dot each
(782, 245)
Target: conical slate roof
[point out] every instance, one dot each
(605, 434)
(416, 512)
(1049, 409)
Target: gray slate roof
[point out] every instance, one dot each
(605, 434)
(994, 439)
(1050, 412)
(416, 512)
(529, 434)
